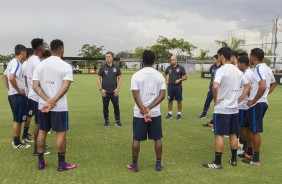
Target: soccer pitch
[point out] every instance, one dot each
(103, 153)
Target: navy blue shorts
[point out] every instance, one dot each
(243, 118)
(58, 121)
(174, 92)
(141, 129)
(255, 116)
(226, 124)
(33, 110)
(18, 106)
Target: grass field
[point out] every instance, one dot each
(103, 153)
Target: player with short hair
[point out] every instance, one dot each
(263, 83)
(216, 65)
(148, 88)
(177, 74)
(51, 80)
(14, 81)
(39, 48)
(26, 137)
(109, 81)
(226, 95)
(243, 65)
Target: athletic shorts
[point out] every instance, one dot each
(226, 124)
(18, 106)
(255, 116)
(243, 118)
(141, 129)
(174, 92)
(33, 110)
(58, 121)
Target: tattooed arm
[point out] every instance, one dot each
(37, 88)
(63, 90)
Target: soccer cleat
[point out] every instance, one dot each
(106, 123)
(47, 147)
(159, 166)
(118, 123)
(21, 146)
(240, 151)
(132, 167)
(251, 161)
(29, 135)
(248, 156)
(41, 164)
(45, 153)
(212, 165)
(178, 117)
(233, 163)
(168, 116)
(65, 166)
(27, 139)
(203, 116)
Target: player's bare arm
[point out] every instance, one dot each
(247, 88)
(37, 88)
(158, 100)
(63, 90)
(13, 82)
(272, 87)
(183, 78)
(5, 81)
(260, 92)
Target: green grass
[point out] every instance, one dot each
(102, 153)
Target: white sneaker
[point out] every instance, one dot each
(21, 146)
(240, 151)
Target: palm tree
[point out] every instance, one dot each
(235, 44)
(203, 56)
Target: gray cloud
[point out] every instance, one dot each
(124, 25)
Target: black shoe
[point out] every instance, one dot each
(233, 163)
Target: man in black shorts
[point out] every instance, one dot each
(109, 81)
(177, 74)
(148, 89)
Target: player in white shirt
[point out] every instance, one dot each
(148, 88)
(39, 48)
(14, 81)
(243, 65)
(263, 83)
(26, 136)
(226, 94)
(51, 80)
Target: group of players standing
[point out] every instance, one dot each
(38, 88)
(239, 94)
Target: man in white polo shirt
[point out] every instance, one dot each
(263, 83)
(227, 94)
(51, 80)
(148, 88)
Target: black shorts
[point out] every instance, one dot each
(141, 129)
(18, 106)
(174, 92)
(33, 110)
(255, 116)
(226, 124)
(243, 118)
(58, 121)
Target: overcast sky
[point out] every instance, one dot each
(125, 24)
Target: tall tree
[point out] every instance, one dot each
(124, 54)
(91, 51)
(203, 56)
(235, 44)
(138, 52)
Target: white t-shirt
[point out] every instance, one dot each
(261, 72)
(243, 104)
(32, 62)
(149, 82)
(15, 67)
(51, 73)
(24, 68)
(230, 79)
